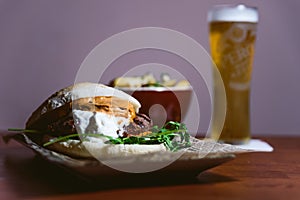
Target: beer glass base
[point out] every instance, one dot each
(234, 141)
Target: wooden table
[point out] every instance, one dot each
(273, 175)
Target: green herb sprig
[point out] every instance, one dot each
(173, 135)
(23, 130)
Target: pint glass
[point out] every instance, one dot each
(232, 38)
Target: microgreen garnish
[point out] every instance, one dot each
(23, 130)
(173, 135)
(61, 139)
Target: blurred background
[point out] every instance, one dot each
(44, 42)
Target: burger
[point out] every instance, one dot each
(88, 120)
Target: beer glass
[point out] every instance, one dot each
(232, 34)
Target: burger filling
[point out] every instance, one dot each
(110, 116)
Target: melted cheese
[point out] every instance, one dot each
(108, 105)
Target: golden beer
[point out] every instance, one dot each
(232, 42)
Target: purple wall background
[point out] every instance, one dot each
(42, 44)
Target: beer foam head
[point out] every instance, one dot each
(239, 13)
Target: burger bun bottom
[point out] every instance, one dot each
(101, 151)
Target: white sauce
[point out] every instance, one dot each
(99, 122)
